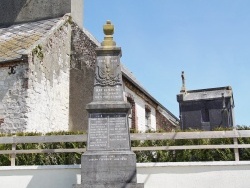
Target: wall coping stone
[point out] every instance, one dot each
(138, 165)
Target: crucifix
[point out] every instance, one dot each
(183, 88)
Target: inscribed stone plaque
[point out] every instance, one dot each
(108, 131)
(108, 79)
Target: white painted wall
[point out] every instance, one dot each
(36, 97)
(153, 118)
(13, 94)
(48, 90)
(195, 175)
(153, 175)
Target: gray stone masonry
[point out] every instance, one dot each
(206, 109)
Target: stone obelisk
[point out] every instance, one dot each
(108, 161)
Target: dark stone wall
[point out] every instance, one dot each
(204, 113)
(82, 66)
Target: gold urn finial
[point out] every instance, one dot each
(108, 30)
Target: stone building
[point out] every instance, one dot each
(47, 62)
(205, 109)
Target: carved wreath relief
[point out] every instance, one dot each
(107, 72)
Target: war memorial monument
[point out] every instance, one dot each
(108, 161)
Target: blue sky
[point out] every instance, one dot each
(208, 39)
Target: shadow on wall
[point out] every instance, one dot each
(40, 178)
(60, 179)
(10, 9)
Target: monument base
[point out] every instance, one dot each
(111, 185)
(108, 167)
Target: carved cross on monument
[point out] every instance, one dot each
(108, 161)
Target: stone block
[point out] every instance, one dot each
(111, 167)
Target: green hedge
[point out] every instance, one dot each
(46, 158)
(192, 155)
(142, 156)
(185, 155)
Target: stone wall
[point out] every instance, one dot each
(206, 115)
(82, 67)
(48, 87)
(35, 93)
(13, 95)
(162, 123)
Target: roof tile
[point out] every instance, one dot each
(15, 40)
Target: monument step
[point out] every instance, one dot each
(111, 185)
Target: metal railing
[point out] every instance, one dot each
(234, 134)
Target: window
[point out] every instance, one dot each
(131, 116)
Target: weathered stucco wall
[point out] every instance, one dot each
(48, 87)
(34, 93)
(13, 94)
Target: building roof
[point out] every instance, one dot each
(206, 94)
(16, 41)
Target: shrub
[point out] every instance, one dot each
(43, 158)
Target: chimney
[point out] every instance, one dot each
(77, 12)
(19, 11)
